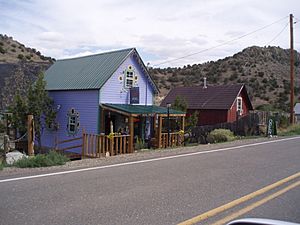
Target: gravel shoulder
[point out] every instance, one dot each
(140, 155)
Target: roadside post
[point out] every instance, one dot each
(30, 135)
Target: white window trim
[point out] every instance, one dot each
(239, 108)
(127, 78)
(72, 122)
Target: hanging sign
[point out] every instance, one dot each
(134, 95)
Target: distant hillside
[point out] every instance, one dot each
(264, 70)
(19, 67)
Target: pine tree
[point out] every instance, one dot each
(179, 104)
(40, 105)
(19, 116)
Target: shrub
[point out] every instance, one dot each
(291, 130)
(42, 160)
(233, 76)
(2, 128)
(220, 135)
(2, 50)
(21, 56)
(140, 144)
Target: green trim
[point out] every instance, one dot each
(142, 109)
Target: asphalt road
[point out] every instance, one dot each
(167, 191)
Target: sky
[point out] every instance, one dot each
(166, 33)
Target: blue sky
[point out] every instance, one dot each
(161, 30)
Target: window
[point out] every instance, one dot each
(73, 122)
(129, 77)
(239, 105)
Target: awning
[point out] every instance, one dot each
(141, 110)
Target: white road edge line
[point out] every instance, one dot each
(144, 161)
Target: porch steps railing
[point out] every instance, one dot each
(96, 146)
(176, 139)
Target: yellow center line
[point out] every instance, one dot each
(236, 202)
(256, 204)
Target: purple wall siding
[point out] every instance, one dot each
(113, 91)
(85, 102)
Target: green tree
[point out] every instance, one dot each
(40, 105)
(179, 104)
(192, 120)
(19, 111)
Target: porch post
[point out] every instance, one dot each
(131, 133)
(182, 128)
(30, 135)
(159, 131)
(102, 129)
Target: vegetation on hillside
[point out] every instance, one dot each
(19, 66)
(13, 51)
(264, 70)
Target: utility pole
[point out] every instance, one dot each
(292, 70)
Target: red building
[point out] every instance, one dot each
(215, 104)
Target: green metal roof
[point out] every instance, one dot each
(88, 72)
(142, 109)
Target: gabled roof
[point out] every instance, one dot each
(89, 72)
(212, 97)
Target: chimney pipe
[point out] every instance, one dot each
(204, 85)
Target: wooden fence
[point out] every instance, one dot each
(176, 139)
(244, 126)
(96, 146)
(72, 144)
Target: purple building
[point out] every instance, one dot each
(100, 94)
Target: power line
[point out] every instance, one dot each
(224, 43)
(277, 35)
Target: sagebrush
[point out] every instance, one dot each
(220, 135)
(42, 160)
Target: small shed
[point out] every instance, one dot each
(215, 104)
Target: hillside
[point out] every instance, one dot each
(19, 66)
(264, 70)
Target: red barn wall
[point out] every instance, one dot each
(209, 116)
(231, 117)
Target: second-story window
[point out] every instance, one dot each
(239, 105)
(129, 75)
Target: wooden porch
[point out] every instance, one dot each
(99, 145)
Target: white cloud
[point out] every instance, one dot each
(162, 28)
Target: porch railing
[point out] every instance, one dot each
(66, 146)
(176, 139)
(96, 146)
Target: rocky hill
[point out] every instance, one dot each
(19, 67)
(264, 70)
